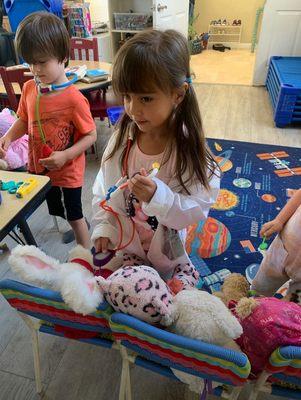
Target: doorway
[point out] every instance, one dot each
(234, 24)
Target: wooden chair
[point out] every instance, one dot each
(99, 100)
(10, 76)
(82, 49)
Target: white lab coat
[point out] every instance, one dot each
(172, 208)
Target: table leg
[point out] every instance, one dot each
(28, 236)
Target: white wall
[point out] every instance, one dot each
(99, 10)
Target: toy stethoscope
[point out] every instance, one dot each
(75, 75)
(100, 259)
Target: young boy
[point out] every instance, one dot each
(43, 42)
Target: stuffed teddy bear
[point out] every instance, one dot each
(267, 322)
(17, 153)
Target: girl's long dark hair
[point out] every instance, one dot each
(160, 60)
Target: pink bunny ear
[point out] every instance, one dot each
(34, 266)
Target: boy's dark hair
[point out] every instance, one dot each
(156, 59)
(42, 34)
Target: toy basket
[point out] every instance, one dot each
(132, 21)
(284, 86)
(18, 9)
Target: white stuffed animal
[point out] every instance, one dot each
(202, 316)
(75, 279)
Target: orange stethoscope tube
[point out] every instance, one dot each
(109, 209)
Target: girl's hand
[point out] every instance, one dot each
(101, 245)
(142, 187)
(274, 226)
(55, 161)
(4, 145)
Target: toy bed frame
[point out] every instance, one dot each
(150, 347)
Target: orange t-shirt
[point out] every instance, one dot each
(65, 118)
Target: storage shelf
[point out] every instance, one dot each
(127, 30)
(225, 26)
(224, 34)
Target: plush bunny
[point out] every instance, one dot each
(75, 280)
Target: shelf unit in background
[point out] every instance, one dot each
(225, 34)
(163, 14)
(123, 6)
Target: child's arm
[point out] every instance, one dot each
(17, 130)
(174, 210)
(276, 225)
(58, 159)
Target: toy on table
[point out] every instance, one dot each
(10, 186)
(27, 186)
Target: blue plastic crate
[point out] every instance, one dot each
(114, 113)
(284, 86)
(18, 9)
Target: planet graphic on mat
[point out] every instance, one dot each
(268, 198)
(217, 146)
(224, 164)
(208, 238)
(230, 213)
(225, 200)
(242, 183)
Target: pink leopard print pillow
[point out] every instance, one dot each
(140, 292)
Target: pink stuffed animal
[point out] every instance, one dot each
(267, 323)
(139, 291)
(17, 153)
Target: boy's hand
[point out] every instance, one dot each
(142, 187)
(274, 226)
(101, 245)
(55, 161)
(4, 145)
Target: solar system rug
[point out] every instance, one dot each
(257, 181)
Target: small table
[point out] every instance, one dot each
(82, 86)
(14, 211)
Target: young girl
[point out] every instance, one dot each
(282, 261)
(161, 124)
